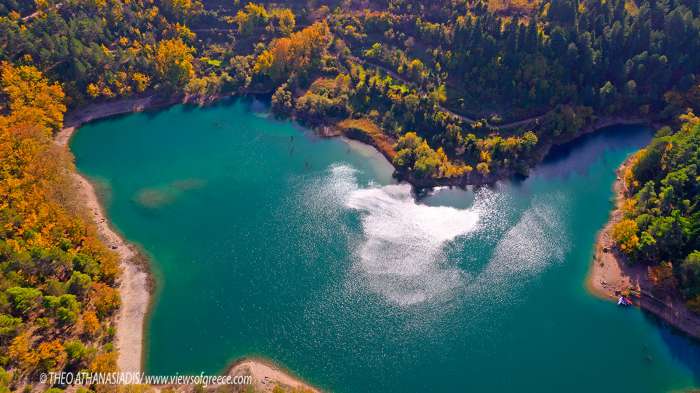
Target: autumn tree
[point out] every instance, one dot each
(301, 53)
(284, 20)
(282, 103)
(52, 356)
(26, 93)
(625, 235)
(105, 298)
(182, 10)
(173, 62)
(50, 257)
(253, 16)
(21, 352)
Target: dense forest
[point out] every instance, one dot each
(661, 225)
(57, 279)
(467, 91)
(453, 92)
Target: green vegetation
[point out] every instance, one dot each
(457, 92)
(57, 280)
(480, 80)
(661, 225)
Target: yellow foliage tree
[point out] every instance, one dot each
(28, 94)
(251, 17)
(300, 52)
(52, 355)
(624, 234)
(21, 352)
(173, 61)
(93, 90)
(104, 362)
(105, 298)
(35, 184)
(285, 19)
(91, 325)
(141, 81)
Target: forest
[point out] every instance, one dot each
(661, 224)
(57, 279)
(452, 92)
(488, 86)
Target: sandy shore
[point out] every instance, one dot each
(610, 276)
(267, 375)
(97, 111)
(135, 284)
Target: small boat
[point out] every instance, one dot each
(624, 302)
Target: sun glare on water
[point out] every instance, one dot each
(403, 253)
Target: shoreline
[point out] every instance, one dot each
(609, 275)
(135, 283)
(266, 375)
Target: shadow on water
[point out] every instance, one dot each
(256, 103)
(577, 155)
(683, 348)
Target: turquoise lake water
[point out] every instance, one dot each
(269, 242)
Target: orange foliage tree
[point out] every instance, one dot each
(46, 249)
(299, 53)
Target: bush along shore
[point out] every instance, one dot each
(648, 251)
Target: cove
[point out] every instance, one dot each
(267, 241)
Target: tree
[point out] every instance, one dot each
(181, 10)
(91, 325)
(105, 298)
(79, 284)
(624, 233)
(23, 300)
(8, 326)
(286, 21)
(413, 154)
(282, 103)
(607, 96)
(104, 362)
(300, 53)
(173, 61)
(21, 352)
(64, 308)
(29, 95)
(75, 350)
(251, 18)
(691, 273)
(52, 356)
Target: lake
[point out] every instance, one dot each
(267, 241)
